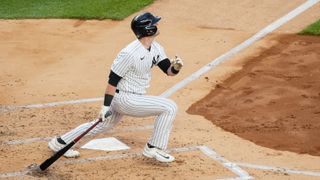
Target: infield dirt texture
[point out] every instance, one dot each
(262, 105)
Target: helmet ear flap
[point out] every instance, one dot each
(151, 30)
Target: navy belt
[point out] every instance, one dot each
(117, 91)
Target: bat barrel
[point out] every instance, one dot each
(43, 166)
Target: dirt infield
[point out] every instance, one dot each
(273, 101)
(45, 61)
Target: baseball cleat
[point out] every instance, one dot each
(57, 143)
(158, 154)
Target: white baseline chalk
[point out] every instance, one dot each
(279, 169)
(227, 164)
(98, 158)
(276, 24)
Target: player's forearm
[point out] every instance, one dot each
(110, 89)
(108, 96)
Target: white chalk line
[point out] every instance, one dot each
(236, 178)
(42, 139)
(234, 167)
(276, 24)
(204, 149)
(225, 163)
(7, 108)
(279, 169)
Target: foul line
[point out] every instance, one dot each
(276, 24)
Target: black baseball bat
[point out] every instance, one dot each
(43, 166)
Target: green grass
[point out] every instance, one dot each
(313, 29)
(71, 9)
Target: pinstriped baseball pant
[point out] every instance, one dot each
(135, 105)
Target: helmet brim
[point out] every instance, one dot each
(156, 20)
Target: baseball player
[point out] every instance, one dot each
(125, 94)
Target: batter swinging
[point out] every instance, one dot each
(125, 94)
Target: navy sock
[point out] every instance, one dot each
(150, 146)
(61, 141)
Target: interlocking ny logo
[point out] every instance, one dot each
(155, 60)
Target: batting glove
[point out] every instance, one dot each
(177, 63)
(105, 112)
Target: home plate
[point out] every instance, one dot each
(106, 144)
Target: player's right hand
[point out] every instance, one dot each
(177, 63)
(104, 112)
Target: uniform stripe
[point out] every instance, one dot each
(142, 105)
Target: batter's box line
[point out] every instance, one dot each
(278, 169)
(204, 149)
(232, 166)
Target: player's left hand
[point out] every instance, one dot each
(177, 63)
(104, 113)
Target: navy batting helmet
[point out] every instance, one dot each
(144, 24)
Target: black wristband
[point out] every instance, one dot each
(107, 99)
(173, 70)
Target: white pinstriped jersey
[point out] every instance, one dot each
(134, 64)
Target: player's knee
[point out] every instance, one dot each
(172, 107)
(104, 126)
(109, 122)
